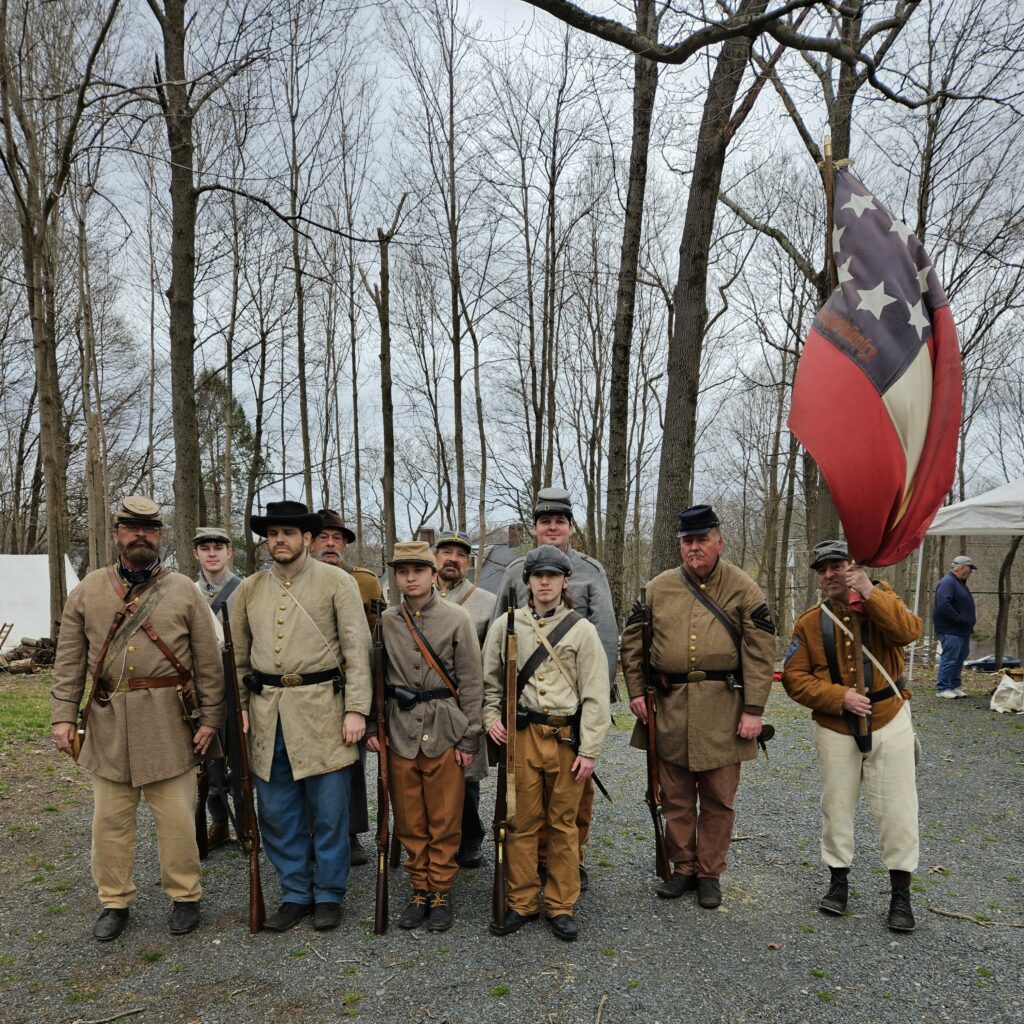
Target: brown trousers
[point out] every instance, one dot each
(698, 808)
(584, 816)
(547, 802)
(172, 803)
(427, 795)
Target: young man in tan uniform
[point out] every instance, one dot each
(826, 670)
(140, 632)
(303, 651)
(551, 763)
(330, 545)
(434, 695)
(713, 673)
(453, 550)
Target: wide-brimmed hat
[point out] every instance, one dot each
(138, 510)
(211, 535)
(963, 560)
(553, 501)
(412, 552)
(286, 513)
(454, 537)
(829, 551)
(697, 519)
(546, 558)
(330, 520)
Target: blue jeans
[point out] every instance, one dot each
(954, 653)
(285, 825)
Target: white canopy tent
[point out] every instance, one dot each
(996, 513)
(25, 594)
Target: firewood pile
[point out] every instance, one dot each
(29, 656)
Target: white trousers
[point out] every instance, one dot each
(888, 777)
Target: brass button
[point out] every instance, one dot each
(287, 583)
(277, 664)
(703, 586)
(693, 661)
(693, 636)
(692, 648)
(131, 650)
(131, 668)
(846, 618)
(281, 607)
(426, 735)
(280, 622)
(277, 650)
(280, 636)
(542, 692)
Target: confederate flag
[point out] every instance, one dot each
(878, 392)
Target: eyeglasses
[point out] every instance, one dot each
(149, 531)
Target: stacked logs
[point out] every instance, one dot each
(29, 656)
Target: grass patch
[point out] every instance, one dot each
(985, 972)
(607, 951)
(296, 954)
(819, 973)
(632, 984)
(352, 997)
(151, 956)
(500, 990)
(25, 708)
(826, 997)
(5, 960)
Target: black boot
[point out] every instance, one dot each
(834, 901)
(901, 917)
(110, 923)
(416, 912)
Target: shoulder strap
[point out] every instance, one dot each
(536, 659)
(225, 592)
(427, 651)
(467, 595)
(717, 610)
(828, 637)
(147, 628)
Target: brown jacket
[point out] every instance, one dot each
(273, 633)
(697, 722)
(886, 627)
(434, 726)
(138, 736)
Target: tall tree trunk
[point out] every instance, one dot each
(1005, 598)
(675, 476)
(645, 85)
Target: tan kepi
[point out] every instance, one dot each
(138, 510)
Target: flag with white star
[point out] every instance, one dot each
(879, 389)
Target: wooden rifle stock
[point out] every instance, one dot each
(380, 907)
(505, 798)
(238, 755)
(662, 861)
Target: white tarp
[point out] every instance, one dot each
(25, 594)
(999, 512)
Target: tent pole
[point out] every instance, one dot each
(917, 606)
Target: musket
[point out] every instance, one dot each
(203, 779)
(238, 756)
(380, 907)
(662, 861)
(505, 798)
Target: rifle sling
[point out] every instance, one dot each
(539, 655)
(428, 652)
(719, 613)
(225, 592)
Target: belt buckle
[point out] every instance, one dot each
(291, 679)
(696, 676)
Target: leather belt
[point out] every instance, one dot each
(698, 676)
(295, 678)
(148, 683)
(540, 718)
(879, 695)
(405, 693)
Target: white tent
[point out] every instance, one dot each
(999, 512)
(25, 594)
(996, 513)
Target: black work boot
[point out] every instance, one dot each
(416, 912)
(441, 917)
(184, 917)
(901, 917)
(110, 923)
(834, 901)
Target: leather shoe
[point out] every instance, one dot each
(513, 922)
(584, 879)
(217, 835)
(357, 855)
(470, 857)
(564, 926)
(326, 916)
(440, 917)
(416, 912)
(110, 923)
(676, 886)
(288, 915)
(835, 900)
(184, 917)
(901, 917)
(709, 893)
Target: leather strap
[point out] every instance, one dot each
(146, 683)
(539, 655)
(428, 652)
(184, 673)
(467, 595)
(225, 592)
(719, 613)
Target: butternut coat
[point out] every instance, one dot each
(434, 726)
(138, 736)
(581, 655)
(886, 626)
(696, 722)
(273, 634)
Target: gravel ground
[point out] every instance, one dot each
(765, 955)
